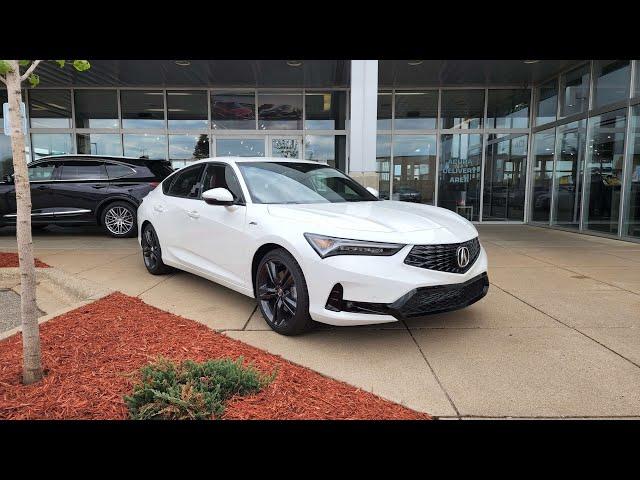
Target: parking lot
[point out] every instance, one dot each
(558, 334)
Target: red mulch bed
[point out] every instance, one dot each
(92, 355)
(11, 260)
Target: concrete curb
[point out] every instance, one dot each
(73, 292)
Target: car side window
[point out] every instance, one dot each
(116, 170)
(83, 170)
(43, 171)
(187, 182)
(219, 175)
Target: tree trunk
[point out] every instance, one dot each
(31, 365)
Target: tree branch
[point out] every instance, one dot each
(31, 68)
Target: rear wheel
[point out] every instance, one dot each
(119, 220)
(282, 295)
(151, 252)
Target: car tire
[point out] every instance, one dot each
(119, 220)
(281, 289)
(151, 251)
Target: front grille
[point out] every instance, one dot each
(443, 257)
(428, 300)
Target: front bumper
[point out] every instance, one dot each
(385, 289)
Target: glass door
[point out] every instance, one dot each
(285, 146)
(240, 146)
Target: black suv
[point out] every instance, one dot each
(86, 189)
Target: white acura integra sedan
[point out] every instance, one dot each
(309, 243)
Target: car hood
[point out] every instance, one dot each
(385, 220)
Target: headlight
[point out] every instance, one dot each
(329, 246)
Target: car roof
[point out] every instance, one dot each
(254, 159)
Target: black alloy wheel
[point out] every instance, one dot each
(281, 292)
(151, 252)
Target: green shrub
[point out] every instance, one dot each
(190, 390)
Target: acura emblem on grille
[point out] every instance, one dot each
(462, 254)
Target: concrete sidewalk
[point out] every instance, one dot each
(558, 335)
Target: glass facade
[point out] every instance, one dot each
(563, 152)
(585, 170)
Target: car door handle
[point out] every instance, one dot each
(193, 214)
(42, 187)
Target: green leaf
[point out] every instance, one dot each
(24, 63)
(61, 63)
(34, 80)
(5, 67)
(81, 65)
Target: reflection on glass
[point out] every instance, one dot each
(605, 159)
(99, 144)
(508, 108)
(325, 110)
(462, 109)
(612, 78)
(505, 177)
(240, 147)
(631, 221)
(96, 108)
(233, 110)
(460, 170)
(142, 108)
(44, 144)
(280, 111)
(416, 110)
(151, 146)
(384, 110)
(326, 148)
(187, 110)
(414, 168)
(188, 147)
(383, 164)
(636, 90)
(547, 103)
(569, 174)
(574, 91)
(285, 148)
(543, 148)
(50, 108)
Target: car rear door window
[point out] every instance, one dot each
(187, 183)
(116, 170)
(83, 170)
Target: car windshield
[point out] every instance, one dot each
(291, 182)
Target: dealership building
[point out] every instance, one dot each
(553, 143)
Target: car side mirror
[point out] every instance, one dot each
(218, 196)
(374, 192)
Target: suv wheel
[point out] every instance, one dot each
(282, 295)
(119, 220)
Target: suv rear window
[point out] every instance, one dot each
(115, 170)
(160, 168)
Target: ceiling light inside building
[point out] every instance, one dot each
(529, 62)
(294, 63)
(415, 62)
(183, 63)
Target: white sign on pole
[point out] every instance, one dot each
(7, 123)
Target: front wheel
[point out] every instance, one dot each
(151, 252)
(282, 295)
